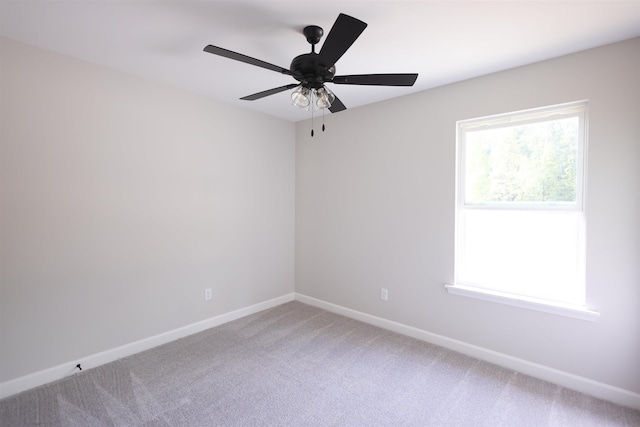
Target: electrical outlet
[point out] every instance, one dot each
(208, 294)
(384, 294)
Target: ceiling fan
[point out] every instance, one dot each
(312, 70)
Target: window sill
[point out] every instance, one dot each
(575, 311)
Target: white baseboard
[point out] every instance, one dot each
(564, 379)
(55, 373)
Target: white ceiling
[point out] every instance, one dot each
(443, 41)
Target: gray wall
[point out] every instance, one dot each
(122, 200)
(375, 208)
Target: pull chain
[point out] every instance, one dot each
(323, 119)
(312, 117)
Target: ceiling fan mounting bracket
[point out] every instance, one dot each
(313, 33)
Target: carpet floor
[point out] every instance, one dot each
(297, 365)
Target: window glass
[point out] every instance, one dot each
(528, 163)
(520, 227)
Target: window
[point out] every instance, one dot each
(520, 224)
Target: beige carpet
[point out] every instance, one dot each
(296, 365)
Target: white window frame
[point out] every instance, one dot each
(574, 109)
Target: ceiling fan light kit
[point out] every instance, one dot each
(306, 98)
(312, 70)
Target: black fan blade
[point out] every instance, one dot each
(377, 79)
(244, 58)
(344, 32)
(269, 92)
(337, 105)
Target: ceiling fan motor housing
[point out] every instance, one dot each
(310, 72)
